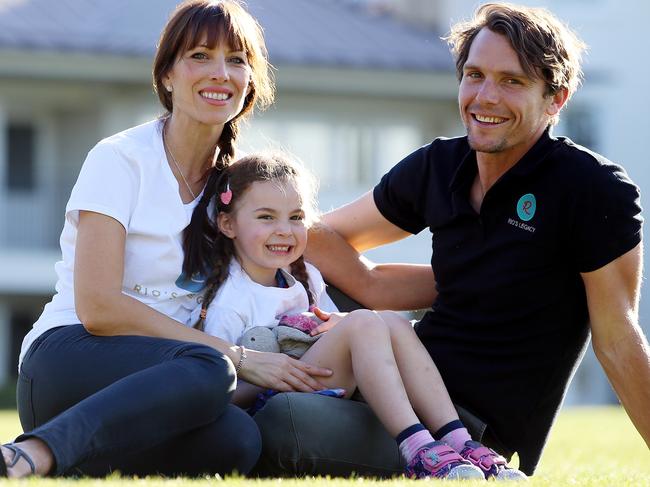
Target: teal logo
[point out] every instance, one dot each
(194, 284)
(526, 207)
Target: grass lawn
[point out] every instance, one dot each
(588, 447)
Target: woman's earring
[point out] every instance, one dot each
(169, 88)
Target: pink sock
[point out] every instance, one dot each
(414, 443)
(457, 438)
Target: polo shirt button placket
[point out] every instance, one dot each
(482, 224)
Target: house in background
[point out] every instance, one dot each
(361, 83)
(356, 92)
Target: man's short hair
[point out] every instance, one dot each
(547, 48)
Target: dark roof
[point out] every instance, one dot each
(298, 32)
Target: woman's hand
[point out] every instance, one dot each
(281, 372)
(330, 320)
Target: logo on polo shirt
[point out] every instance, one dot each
(526, 207)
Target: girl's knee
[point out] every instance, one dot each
(365, 322)
(396, 322)
(362, 315)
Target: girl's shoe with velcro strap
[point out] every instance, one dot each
(490, 462)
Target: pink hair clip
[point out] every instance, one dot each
(226, 196)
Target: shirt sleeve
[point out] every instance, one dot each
(224, 323)
(108, 184)
(401, 194)
(318, 286)
(607, 219)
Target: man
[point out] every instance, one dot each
(536, 241)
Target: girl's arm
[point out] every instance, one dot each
(104, 310)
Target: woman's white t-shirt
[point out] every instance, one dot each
(127, 177)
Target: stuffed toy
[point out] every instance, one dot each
(291, 335)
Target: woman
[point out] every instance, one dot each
(111, 378)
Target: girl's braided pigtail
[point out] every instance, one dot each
(222, 255)
(299, 272)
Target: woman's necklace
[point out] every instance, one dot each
(178, 167)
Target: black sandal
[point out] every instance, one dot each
(18, 454)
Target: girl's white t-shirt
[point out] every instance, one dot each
(241, 304)
(127, 177)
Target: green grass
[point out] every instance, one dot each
(588, 447)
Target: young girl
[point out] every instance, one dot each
(264, 205)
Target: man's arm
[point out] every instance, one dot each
(618, 340)
(334, 247)
(362, 225)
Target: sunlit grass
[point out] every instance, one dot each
(588, 447)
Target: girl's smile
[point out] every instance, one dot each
(267, 228)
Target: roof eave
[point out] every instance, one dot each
(78, 66)
(367, 81)
(110, 68)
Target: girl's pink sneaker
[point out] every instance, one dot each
(439, 460)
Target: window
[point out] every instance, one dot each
(394, 143)
(20, 157)
(341, 155)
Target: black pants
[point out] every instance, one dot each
(138, 405)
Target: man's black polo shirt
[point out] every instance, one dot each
(510, 321)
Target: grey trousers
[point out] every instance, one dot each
(309, 434)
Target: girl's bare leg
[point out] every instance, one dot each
(424, 385)
(359, 350)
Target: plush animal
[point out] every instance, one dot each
(291, 335)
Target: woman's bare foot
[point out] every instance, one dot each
(36, 450)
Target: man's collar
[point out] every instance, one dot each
(535, 155)
(467, 169)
